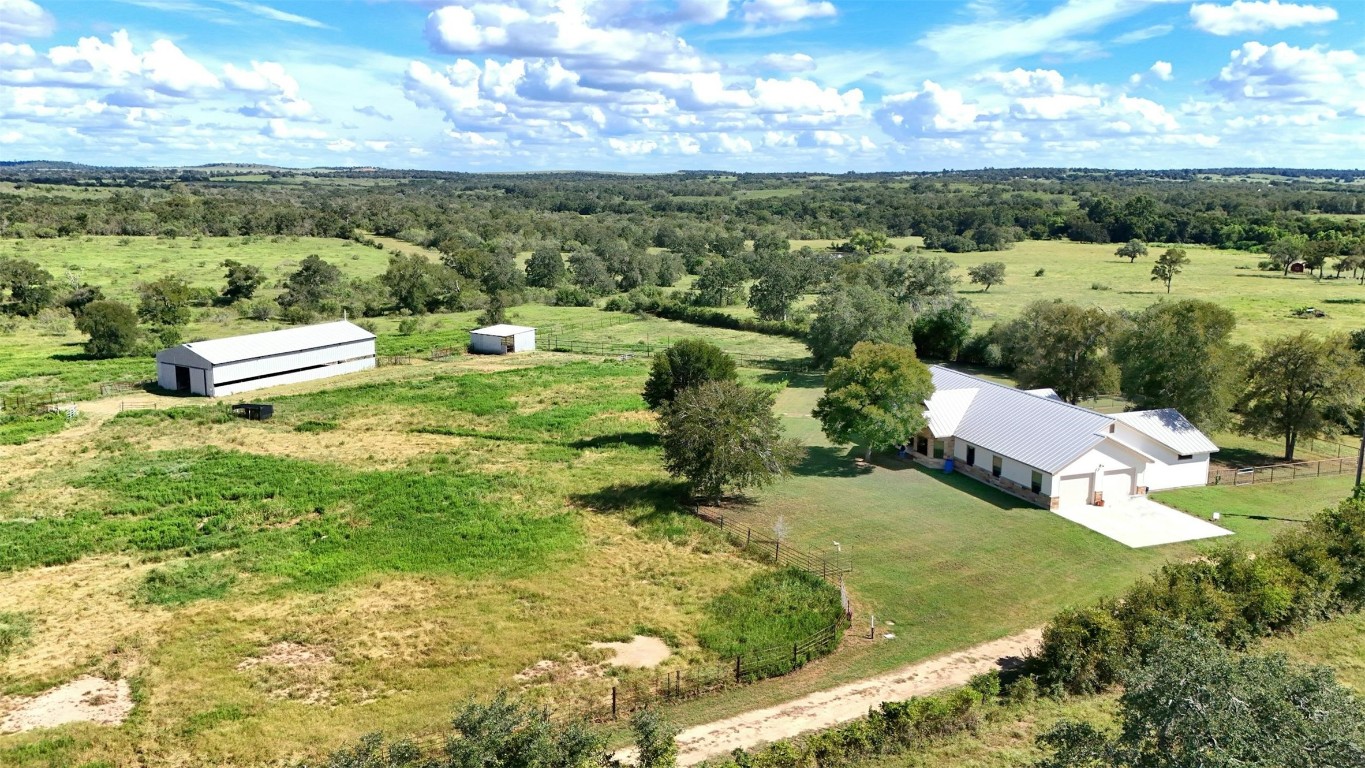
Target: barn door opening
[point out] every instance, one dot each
(182, 378)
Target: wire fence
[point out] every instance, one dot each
(780, 553)
(385, 361)
(1283, 473)
(633, 694)
(438, 354)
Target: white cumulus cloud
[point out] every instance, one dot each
(24, 18)
(1286, 73)
(1162, 70)
(566, 29)
(931, 111)
(786, 11)
(1251, 16)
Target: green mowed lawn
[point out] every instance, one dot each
(949, 562)
(1257, 512)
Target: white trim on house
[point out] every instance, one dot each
(1056, 454)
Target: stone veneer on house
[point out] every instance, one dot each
(1008, 486)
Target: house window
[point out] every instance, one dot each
(1185, 457)
(996, 466)
(971, 456)
(938, 449)
(1036, 483)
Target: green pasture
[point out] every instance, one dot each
(119, 264)
(1091, 275)
(433, 537)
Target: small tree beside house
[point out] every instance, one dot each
(876, 396)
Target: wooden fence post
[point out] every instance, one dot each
(737, 658)
(794, 654)
(748, 533)
(613, 702)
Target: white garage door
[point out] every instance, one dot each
(1074, 491)
(1118, 486)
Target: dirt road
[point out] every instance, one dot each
(849, 702)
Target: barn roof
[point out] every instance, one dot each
(270, 343)
(1032, 428)
(502, 329)
(1170, 428)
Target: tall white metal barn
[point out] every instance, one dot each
(502, 339)
(222, 367)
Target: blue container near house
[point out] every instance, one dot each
(948, 465)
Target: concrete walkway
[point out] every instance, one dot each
(1141, 522)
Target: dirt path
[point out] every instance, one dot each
(849, 702)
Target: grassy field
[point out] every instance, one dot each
(1262, 301)
(1257, 512)
(119, 264)
(425, 539)
(35, 360)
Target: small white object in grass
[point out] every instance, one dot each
(890, 623)
(1217, 516)
(889, 635)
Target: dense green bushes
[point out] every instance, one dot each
(507, 733)
(771, 611)
(17, 430)
(671, 309)
(1232, 596)
(893, 728)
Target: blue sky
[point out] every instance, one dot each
(658, 85)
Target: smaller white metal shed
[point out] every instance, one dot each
(502, 339)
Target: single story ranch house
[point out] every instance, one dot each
(222, 367)
(1034, 445)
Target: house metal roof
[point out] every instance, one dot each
(1033, 429)
(1170, 428)
(501, 330)
(237, 348)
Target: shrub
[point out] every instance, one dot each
(1097, 286)
(1040, 272)
(408, 326)
(1083, 650)
(572, 296)
(52, 321)
(1230, 596)
(185, 582)
(315, 426)
(770, 611)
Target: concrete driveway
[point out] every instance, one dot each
(1141, 522)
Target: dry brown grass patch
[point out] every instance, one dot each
(82, 618)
